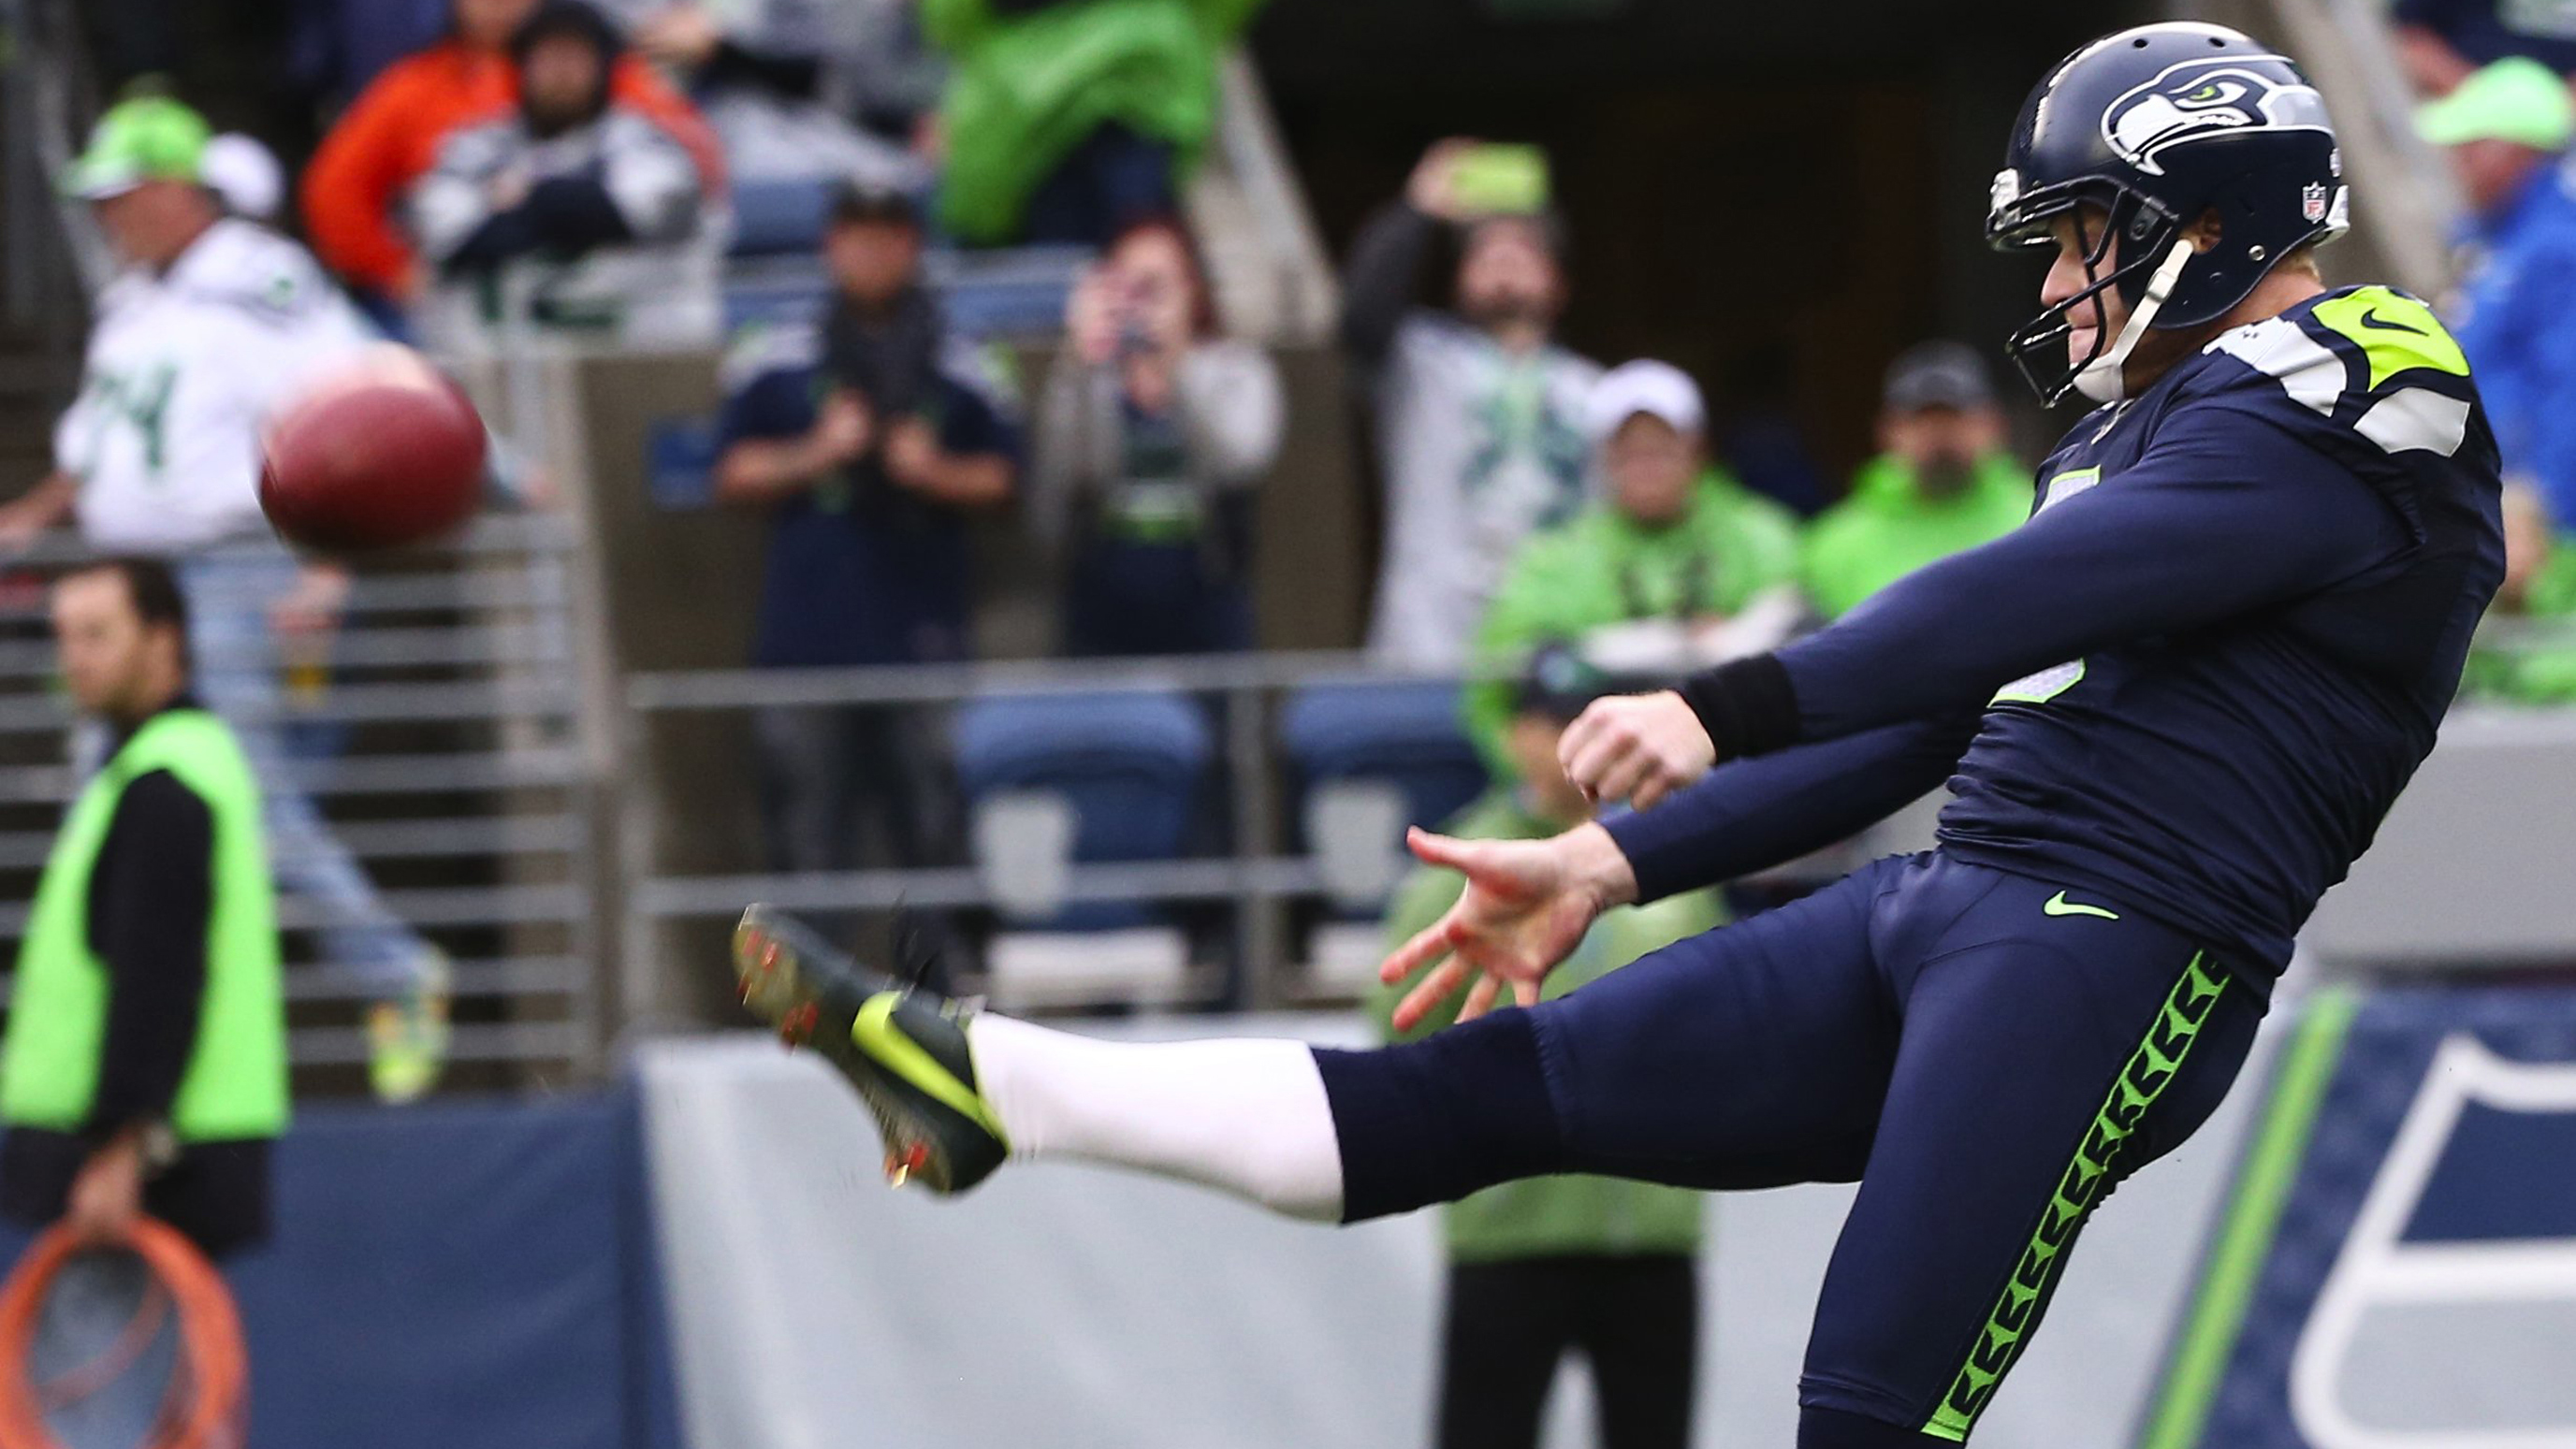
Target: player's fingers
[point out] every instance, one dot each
(1651, 790)
(1588, 765)
(1433, 849)
(1426, 946)
(1626, 777)
(1480, 997)
(1430, 992)
(1571, 740)
(1525, 992)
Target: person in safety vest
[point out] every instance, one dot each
(144, 1069)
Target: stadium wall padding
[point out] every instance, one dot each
(1069, 1307)
(458, 1274)
(2396, 1267)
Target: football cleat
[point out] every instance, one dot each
(904, 1049)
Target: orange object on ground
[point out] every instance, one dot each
(210, 1388)
(390, 135)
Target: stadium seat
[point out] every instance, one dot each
(1365, 760)
(1403, 734)
(779, 216)
(1130, 766)
(1013, 292)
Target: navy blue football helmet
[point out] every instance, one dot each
(2157, 127)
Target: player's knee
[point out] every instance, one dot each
(1434, 1120)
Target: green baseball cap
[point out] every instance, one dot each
(149, 138)
(2517, 99)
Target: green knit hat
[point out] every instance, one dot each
(148, 138)
(2516, 99)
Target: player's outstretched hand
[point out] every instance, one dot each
(1526, 906)
(1635, 747)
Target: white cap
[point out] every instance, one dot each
(1658, 389)
(244, 174)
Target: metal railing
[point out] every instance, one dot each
(1257, 876)
(457, 785)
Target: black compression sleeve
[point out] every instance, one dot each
(1748, 706)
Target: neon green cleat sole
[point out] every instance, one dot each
(903, 1050)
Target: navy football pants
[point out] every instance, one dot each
(1985, 1053)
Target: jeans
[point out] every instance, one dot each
(1112, 180)
(240, 676)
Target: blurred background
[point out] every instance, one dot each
(1051, 489)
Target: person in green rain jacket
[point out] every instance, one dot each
(1073, 95)
(2525, 650)
(1943, 483)
(1548, 1264)
(1676, 539)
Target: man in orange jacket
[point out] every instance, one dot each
(390, 134)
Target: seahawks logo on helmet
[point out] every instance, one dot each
(2199, 99)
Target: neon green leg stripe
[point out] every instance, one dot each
(2263, 1184)
(2149, 1070)
(874, 1033)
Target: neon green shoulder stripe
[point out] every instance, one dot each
(2396, 332)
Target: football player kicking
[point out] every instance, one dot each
(2171, 708)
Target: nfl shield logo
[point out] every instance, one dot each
(2312, 201)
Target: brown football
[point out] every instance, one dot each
(378, 453)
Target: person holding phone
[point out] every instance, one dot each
(1479, 412)
(1151, 433)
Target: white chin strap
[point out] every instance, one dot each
(2101, 378)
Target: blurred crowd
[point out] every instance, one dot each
(1534, 500)
(2493, 77)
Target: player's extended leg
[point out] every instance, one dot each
(2050, 1048)
(1751, 1056)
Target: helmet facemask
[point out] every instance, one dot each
(2143, 244)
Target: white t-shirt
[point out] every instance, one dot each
(184, 368)
(1479, 447)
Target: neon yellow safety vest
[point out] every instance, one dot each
(235, 1084)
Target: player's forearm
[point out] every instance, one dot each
(2234, 518)
(1755, 814)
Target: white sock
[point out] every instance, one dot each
(1244, 1116)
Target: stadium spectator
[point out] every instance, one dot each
(246, 176)
(1070, 120)
(390, 136)
(1479, 414)
(2440, 42)
(1942, 481)
(1677, 567)
(609, 205)
(2525, 652)
(146, 1051)
(214, 322)
(870, 438)
(1599, 1265)
(1151, 432)
(2507, 129)
(781, 82)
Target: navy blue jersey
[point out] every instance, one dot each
(2194, 681)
